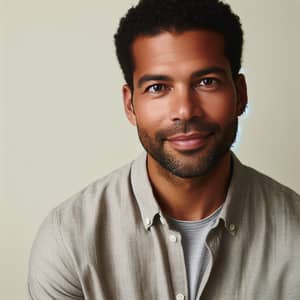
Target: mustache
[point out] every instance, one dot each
(184, 127)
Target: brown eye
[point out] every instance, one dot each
(156, 88)
(207, 81)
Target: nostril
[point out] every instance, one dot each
(176, 119)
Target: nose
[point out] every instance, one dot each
(185, 104)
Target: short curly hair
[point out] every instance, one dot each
(151, 17)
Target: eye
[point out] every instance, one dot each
(156, 88)
(208, 82)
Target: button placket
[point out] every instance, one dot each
(173, 238)
(232, 229)
(177, 264)
(180, 297)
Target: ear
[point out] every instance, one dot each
(242, 97)
(128, 104)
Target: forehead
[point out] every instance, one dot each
(172, 52)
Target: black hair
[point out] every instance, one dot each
(151, 17)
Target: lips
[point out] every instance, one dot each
(189, 141)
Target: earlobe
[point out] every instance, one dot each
(128, 104)
(242, 97)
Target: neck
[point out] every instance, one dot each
(190, 198)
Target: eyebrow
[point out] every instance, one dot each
(153, 77)
(160, 77)
(209, 70)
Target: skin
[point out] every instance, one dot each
(185, 104)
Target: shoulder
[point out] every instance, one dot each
(278, 199)
(265, 184)
(60, 246)
(103, 192)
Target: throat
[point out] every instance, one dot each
(191, 199)
(188, 207)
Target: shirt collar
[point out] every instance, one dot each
(142, 190)
(231, 210)
(234, 204)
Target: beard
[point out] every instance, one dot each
(191, 163)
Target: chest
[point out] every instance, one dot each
(152, 266)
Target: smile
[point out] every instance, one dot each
(189, 141)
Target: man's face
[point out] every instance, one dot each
(185, 102)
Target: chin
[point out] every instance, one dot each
(190, 164)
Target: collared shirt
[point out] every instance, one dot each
(196, 253)
(111, 241)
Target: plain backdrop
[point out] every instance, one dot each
(62, 122)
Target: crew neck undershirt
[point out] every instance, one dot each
(196, 255)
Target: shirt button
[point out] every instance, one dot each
(180, 297)
(147, 221)
(232, 229)
(173, 239)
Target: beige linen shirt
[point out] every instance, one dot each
(111, 241)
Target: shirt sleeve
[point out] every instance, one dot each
(52, 273)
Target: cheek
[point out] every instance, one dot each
(150, 114)
(221, 109)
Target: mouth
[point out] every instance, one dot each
(190, 141)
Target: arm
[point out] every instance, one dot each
(52, 273)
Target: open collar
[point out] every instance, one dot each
(231, 211)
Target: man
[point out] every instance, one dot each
(186, 220)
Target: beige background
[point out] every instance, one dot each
(62, 122)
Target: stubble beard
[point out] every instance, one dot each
(190, 164)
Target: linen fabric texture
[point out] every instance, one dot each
(111, 241)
